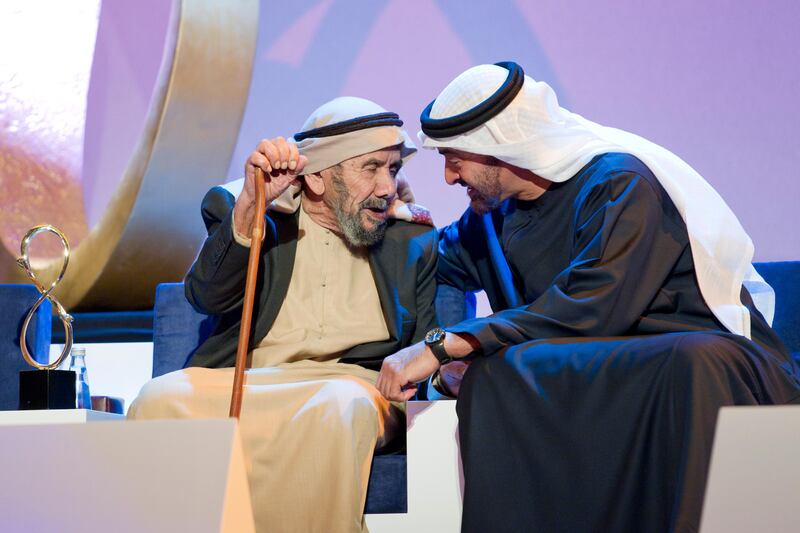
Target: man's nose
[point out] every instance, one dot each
(386, 186)
(451, 177)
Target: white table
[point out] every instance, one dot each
(125, 476)
(55, 416)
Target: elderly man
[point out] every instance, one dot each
(622, 293)
(344, 282)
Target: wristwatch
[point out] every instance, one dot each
(434, 339)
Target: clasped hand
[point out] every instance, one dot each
(401, 372)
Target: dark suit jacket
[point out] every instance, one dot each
(403, 265)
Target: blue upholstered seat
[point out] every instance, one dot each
(16, 302)
(177, 331)
(784, 277)
(107, 326)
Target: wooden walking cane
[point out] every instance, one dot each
(249, 296)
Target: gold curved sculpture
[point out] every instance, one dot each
(66, 318)
(151, 230)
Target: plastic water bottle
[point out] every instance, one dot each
(83, 398)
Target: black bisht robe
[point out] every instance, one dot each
(594, 402)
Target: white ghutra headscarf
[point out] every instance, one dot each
(341, 129)
(533, 132)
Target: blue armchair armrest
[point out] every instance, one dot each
(17, 300)
(784, 277)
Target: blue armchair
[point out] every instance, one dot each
(784, 277)
(16, 302)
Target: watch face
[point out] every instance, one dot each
(434, 336)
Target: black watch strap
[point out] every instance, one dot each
(439, 352)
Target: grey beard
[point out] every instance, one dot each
(356, 234)
(352, 228)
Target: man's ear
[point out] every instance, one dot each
(315, 183)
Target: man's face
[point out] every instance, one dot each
(359, 191)
(481, 175)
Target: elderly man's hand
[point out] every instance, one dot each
(281, 163)
(404, 192)
(401, 372)
(451, 375)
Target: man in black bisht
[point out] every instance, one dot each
(626, 313)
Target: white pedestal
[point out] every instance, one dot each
(124, 477)
(435, 478)
(754, 478)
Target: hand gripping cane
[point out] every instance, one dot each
(249, 295)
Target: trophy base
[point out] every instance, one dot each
(46, 389)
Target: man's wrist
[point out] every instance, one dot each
(460, 345)
(240, 236)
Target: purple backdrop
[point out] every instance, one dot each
(124, 70)
(714, 81)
